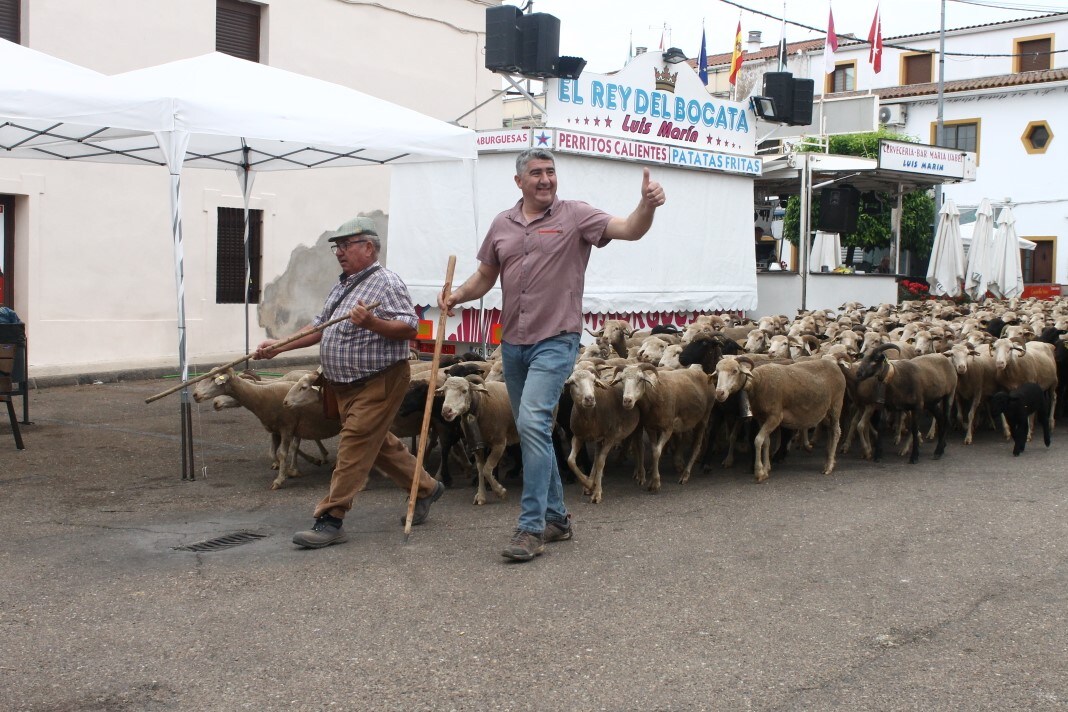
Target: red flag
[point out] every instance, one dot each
(875, 42)
(830, 46)
(736, 57)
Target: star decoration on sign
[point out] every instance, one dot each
(597, 121)
(607, 122)
(709, 138)
(587, 118)
(543, 139)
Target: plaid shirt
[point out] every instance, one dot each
(349, 352)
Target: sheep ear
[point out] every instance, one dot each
(570, 380)
(1019, 347)
(745, 367)
(598, 383)
(440, 390)
(221, 379)
(479, 386)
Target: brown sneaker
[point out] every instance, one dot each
(524, 546)
(557, 530)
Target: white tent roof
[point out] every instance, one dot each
(289, 120)
(48, 105)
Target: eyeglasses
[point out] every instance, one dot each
(340, 246)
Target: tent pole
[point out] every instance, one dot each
(185, 413)
(246, 195)
(895, 227)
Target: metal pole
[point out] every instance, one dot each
(939, 130)
(895, 228)
(803, 238)
(245, 193)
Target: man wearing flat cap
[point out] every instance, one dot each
(365, 363)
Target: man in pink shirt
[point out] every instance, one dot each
(540, 248)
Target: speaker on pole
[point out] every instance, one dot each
(539, 35)
(503, 43)
(801, 105)
(779, 87)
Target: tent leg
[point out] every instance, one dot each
(188, 471)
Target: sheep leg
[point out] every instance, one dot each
(287, 453)
(1046, 416)
(847, 441)
(699, 439)
(658, 448)
(732, 436)
(969, 429)
(785, 436)
(597, 473)
(276, 442)
(877, 448)
(941, 416)
(572, 462)
(914, 433)
(762, 450)
(1030, 426)
(485, 474)
(865, 431)
(832, 440)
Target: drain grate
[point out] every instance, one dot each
(222, 542)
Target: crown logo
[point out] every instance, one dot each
(665, 80)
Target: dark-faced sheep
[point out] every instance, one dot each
(1018, 405)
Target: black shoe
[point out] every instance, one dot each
(327, 530)
(524, 546)
(422, 505)
(557, 530)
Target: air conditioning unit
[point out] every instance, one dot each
(892, 115)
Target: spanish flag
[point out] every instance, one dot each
(736, 58)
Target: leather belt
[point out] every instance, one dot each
(363, 380)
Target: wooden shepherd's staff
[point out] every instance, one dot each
(246, 357)
(431, 387)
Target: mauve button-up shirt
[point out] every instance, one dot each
(543, 267)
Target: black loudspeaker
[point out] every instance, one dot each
(801, 106)
(539, 44)
(503, 42)
(838, 209)
(779, 87)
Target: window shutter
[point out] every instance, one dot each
(9, 21)
(1034, 55)
(237, 29)
(918, 69)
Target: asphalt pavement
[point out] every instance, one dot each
(885, 586)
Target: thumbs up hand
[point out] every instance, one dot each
(652, 192)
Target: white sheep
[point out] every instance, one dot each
(669, 402)
(489, 403)
(600, 418)
(794, 396)
(290, 425)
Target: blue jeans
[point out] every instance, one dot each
(535, 376)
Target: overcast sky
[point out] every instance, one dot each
(600, 30)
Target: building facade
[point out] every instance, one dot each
(1005, 88)
(87, 254)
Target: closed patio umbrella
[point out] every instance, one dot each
(946, 268)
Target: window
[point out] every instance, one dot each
(10, 21)
(917, 68)
(1032, 53)
(230, 256)
(962, 134)
(1037, 137)
(237, 29)
(844, 78)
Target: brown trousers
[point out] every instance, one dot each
(367, 412)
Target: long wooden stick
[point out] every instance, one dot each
(431, 387)
(246, 357)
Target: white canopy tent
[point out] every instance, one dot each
(213, 111)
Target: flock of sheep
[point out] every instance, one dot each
(767, 386)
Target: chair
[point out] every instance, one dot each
(14, 380)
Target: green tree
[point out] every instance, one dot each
(873, 221)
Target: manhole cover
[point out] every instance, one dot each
(222, 542)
